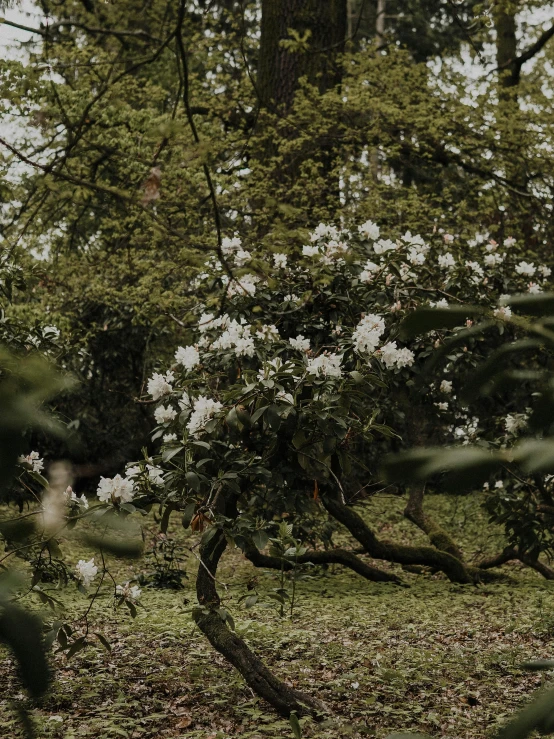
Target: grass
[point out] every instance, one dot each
(434, 657)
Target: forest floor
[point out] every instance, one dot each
(433, 657)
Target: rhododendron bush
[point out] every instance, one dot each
(304, 367)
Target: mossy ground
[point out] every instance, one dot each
(434, 657)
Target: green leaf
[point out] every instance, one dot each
(530, 718)
(479, 381)
(534, 305)
(295, 725)
(427, 319)
(188, 514)
(77, 646)
(539, 664)
(193, 481)
(103, 641)
(250, 601)
(260, 539)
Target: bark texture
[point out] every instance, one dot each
(262, 681)
(331, 556)
(452, 567)
(279, 68)
(438, 537)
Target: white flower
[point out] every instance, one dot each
(392, 356)
(280, 260)
(499, 484)
(291, 298)
(310, 251)
(268, 333)
(117, 488)
(510, 241)
(369, 270)
(448, 238)
(491, 260)
(475, 267)
(324, 231)
(415, 256)
(383, 245)
(442, 303)
(503, 313)
(71, 497)
(241, 257)
(51, 332)
(205, 322)
(545, 271)
(368, 332)
(168, 438)
(300, 343)
(86, 571)
(327, 365)
(245, 285)
(369, 230)
(533, 288)
(442, 406)
(33, 460)
(228, 246)
(188, 357)
(446, 261)
(514, 422)
(128, 591)
(204, 408)
(155, 474)
(160, 385)
(164, 414)
(446, 387)
(526, 268)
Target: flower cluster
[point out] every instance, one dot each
(85, 572)
(115, 490)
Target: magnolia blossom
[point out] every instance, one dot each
(368, 332)
(300, 343)
(188, 357)
(280, 260)
(203, 409)
(34, 460)
(446, 387)
(115, 489)
(369, 230)
(164, 414)
(514, 422)
(160, 385)
(392, 356)
(86, 571)
(128, 591)
(526, 268)
(327, 365)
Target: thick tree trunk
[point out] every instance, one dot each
(280, 695)
(280, 68)
(330, 556)
(455, 570)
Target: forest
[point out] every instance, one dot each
(276, 369)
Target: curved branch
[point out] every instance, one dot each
(208, 619)
(324, 557)
(438, 537)
(455, 570)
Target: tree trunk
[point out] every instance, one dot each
(208, 619)
(279, 68)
